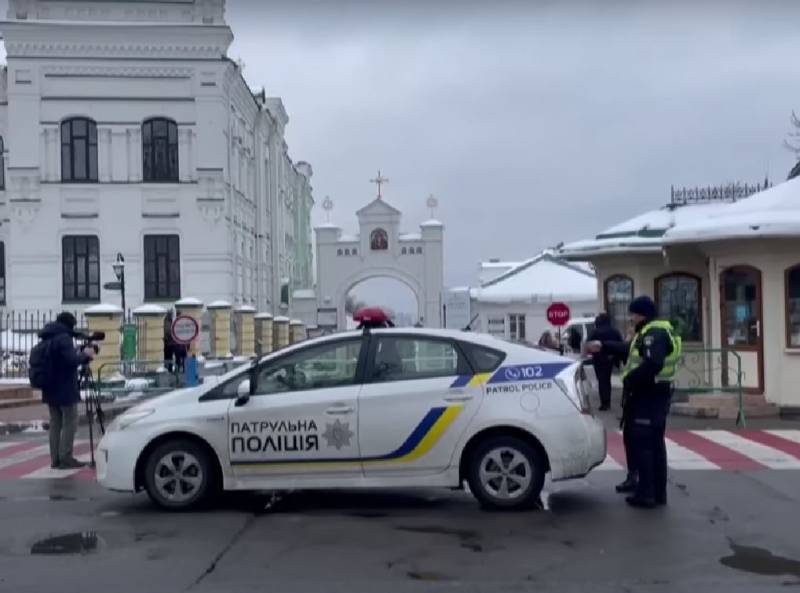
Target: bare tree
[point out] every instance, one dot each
(792, 142)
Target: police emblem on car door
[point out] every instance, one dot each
(302, 417)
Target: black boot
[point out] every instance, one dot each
(641, 502)
(629, 485)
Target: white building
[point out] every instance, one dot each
(127, 129)
(513, 304)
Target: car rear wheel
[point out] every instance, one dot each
(180, 475)
(506, 473)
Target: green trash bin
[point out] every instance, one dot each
(129, 341)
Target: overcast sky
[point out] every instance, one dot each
(532, 122)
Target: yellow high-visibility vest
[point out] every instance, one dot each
(670, 363)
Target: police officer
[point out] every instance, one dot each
(650, 362)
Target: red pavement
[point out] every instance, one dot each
(23, 414)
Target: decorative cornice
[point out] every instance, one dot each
(118, 71)
(23, 49)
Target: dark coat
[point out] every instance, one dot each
(65, 362)
(606, 334)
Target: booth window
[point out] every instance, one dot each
(793, 307)
(618, 297)
(678, 300)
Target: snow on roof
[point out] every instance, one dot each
(499, 264)
(103, 309)
(304, 293)
(543, 277)
(327, 225)
(644, 233)
(431, 222)
(246, 309)
(348, 238)
(189, 302)
(282, 319)
(774, 212)
(410, 237)
(263, 315)
(149, 310)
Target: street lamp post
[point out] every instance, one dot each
(119, 272)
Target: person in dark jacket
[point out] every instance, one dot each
(650, 363)
(604, 363)
(62, 394)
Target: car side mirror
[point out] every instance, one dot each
(242, 393)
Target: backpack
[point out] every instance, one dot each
(40, 365)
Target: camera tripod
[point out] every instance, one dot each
(87, 384)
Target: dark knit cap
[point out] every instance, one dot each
(643, 306)
(68, 319)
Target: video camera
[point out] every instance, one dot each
(88, 340)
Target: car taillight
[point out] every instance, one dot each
(570, 381)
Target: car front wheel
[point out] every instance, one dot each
(506, 473)
(180, 475)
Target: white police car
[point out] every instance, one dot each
(381, 408)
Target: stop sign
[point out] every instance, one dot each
(558, 314)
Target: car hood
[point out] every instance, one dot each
(178, 396)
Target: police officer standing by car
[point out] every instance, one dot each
(650, 362)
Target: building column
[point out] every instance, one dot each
(263, 327)
(191, 307)
(245, 331)
(297, 331)
(220, 343)
(107, 319)
(150, 339)
(280, 332)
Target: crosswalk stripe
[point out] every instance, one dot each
(680, 457)
(788, 434)
(47, 472)
(768, 456)
(16, 466)
(725, 457)
(26, 455)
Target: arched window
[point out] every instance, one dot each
(793, 307)
(160, 150)
(678, 298)
(618, 296)
(2, 273)
(2, 164)
(404, 251)
(78, 150)
(379, 240)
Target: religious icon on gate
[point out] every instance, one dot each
(379, 240)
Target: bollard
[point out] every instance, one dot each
(297, 331)
(193, 308)
(280, 332)
(245, 330)
(220, 312)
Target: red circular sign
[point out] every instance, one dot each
(185, 329)
(558, 314)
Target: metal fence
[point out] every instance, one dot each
(711, 371)
(19, 333)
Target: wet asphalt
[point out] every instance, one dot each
(722, 531)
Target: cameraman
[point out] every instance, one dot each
(61, 392)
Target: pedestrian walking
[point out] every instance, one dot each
(651, 359)
(54, 368)
(604, 363)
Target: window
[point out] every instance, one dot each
(404, 250)
(80, 269)
(678, 300)
(2, 273)
(2, 165)
(419, 249)
(162, 267)
(516, 326)
(78, 150)
(741, 306)
(318, 367)
(160, 150)
(792, 307)
(400, 358)
(339, 252)
(484, 360)
(496, 326)
(618, 296)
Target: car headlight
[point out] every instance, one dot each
(123, 421)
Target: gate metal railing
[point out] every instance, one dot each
(137, 378)
(712, 370)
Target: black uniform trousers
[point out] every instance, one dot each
(602, 370)
(648, 425)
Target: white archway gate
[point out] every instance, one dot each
(379, 250)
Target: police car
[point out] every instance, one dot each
(384, 407)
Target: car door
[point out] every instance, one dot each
(300, 418)
(419, 395)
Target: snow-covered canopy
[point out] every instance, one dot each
(644, 233)
(542, 278)
(772, 213)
